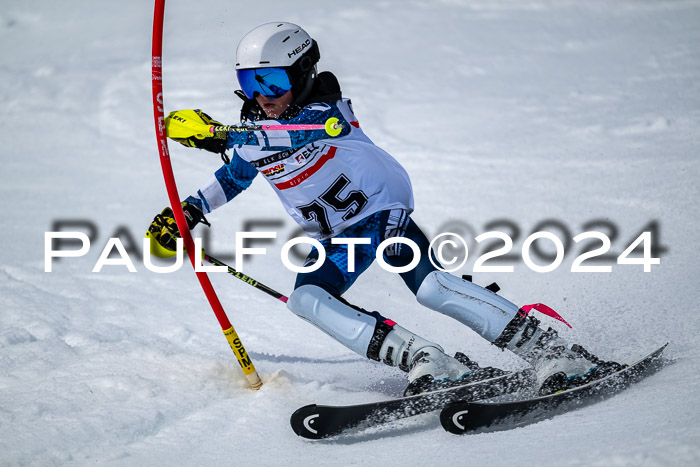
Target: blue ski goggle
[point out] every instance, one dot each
(270, 82)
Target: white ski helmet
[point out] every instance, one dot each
(280, 45)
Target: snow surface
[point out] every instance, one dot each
(520, 110)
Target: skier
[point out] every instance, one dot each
(345, 187)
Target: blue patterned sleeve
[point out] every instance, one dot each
(317, 113)
(228, 182)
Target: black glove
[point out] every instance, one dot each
(215, 143)
(164, 229)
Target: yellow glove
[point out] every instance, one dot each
(163, 231)
(191, 128)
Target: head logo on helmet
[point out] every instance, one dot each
(300, 48)
(281, 45)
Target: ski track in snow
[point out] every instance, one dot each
(522, 110)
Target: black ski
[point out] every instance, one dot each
(464, 416)
(320, 421)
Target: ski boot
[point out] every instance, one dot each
(557, 366)
(431, 369)
(381, 339)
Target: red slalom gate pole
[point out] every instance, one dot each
(159, 118)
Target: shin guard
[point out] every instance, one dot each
(366, 333)
(482, 310)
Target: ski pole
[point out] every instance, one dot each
(169, 177)
(179, 126)
(332, 127)
(247, 279)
